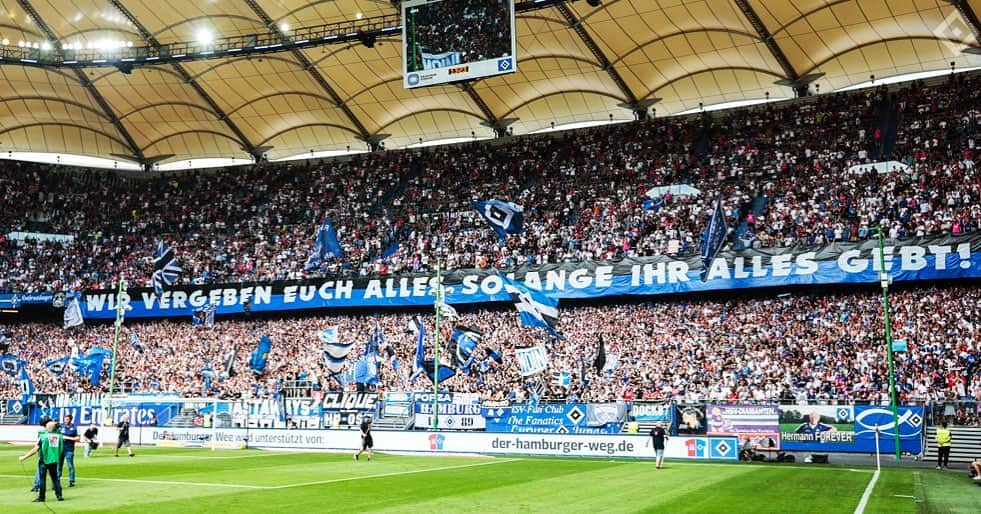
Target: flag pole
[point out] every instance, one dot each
(439, 301)
(115, 346)
(884, 282)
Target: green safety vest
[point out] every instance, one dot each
(51, 443)
(943, 437)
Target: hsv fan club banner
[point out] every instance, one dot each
(939, 258)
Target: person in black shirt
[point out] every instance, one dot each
(366, 442)
(124, 436)
(658, 437)
(91, 439)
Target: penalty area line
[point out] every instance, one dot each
(393, 474)
(868, 493)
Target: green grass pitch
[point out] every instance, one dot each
(180, 481)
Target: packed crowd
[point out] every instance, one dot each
(477, 29)
(784, 174)
(810, 347)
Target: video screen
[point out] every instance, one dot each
(454, 40)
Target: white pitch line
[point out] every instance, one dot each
(868, 493)
(159, 482)
(396, 473)
(266, 487)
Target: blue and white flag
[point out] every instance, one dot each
(260, 357)
(57, 366)
(415, 325)
(504, 217)
(205, 316)
(90, 366)
(366, 369)
(714, 237)
(495, 355)
(329, 335)
(392, 248)
(165, 268)
(466, 340)
(536, 309)
(446, 310)
(445, 372)
(562, 378)
(134, 341)
(73, 314)
(532, 360)
(325, 247)
(209, 374)
(26, 385)
(11, 364)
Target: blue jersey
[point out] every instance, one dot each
(69, 431)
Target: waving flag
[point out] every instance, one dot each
(209, 374)
(366, 369)
(495, 355)
(260, 357)
(532, 360)
(165, 268)
(599, 362)
(57, 366)
(325, 247)
(205, 316)
(536, 309)
(90, 366)
(415, 325)
(714, 237)
(73, 314)
(134, 341)
(466, 340)
(10, 364)
(26, 385)
(504, 217)
(446, 310)
(329, 335)
(445, 372)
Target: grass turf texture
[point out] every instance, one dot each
(161, 481)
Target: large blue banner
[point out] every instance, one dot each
(840, 263)
(568, 418)
(142, 414)
(845, 428)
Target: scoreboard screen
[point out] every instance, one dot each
(453, 40)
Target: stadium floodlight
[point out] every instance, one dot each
(284, 27)
(204, 37)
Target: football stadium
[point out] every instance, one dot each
(490, 256)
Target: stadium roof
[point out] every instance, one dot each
(576, 63)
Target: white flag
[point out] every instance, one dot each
(446, 309)
(73, 314)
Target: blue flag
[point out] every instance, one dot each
(209, 374)
(57, 366)
(366, 369)
(325, 247)
(134, 341)
(392, 248)
(714, 237)
(165, 268)
(415, 324)
(260, 356)
(504, 217)
(536, 309)
(26, 385)
(466, 340)
(90, 366)
(205, 316)
(445, 372)
(10, 364)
